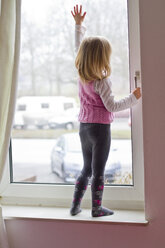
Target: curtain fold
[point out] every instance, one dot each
(10, 12)
(9, 57)
(3, 235)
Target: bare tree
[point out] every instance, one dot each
(47, 57)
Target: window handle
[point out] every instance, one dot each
(137, 78)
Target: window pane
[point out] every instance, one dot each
(45, 141)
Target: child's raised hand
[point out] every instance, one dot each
(77, 15)
(137, 93)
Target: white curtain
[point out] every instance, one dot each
(3, 235)
(9, 57)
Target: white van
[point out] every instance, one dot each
(38, 111)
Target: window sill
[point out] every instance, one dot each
(62, 214)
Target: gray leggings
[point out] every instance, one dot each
(95, 141)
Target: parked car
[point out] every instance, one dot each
(67, 120)
(67, 160)
(36, 111)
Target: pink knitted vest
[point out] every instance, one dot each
(92, 109)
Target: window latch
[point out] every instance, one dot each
(137, 78)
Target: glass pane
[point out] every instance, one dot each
(45, 141)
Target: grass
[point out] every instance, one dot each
(125, 179)
(55, 133)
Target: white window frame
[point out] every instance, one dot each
(119, 197)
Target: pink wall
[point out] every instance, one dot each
(49, 234)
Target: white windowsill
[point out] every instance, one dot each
(51, 213)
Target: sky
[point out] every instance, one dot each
(38, 9)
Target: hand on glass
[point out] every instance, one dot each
(77, 15)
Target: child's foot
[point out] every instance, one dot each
(75, 210)
(101, 211)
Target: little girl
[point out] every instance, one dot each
(96, 106)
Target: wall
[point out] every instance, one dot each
(47, 234)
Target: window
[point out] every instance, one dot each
(47, 130)
(21, 107)
(44, 105)
(68, 105)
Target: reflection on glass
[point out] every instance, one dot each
(45, 141)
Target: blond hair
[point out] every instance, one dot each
(93, 59)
